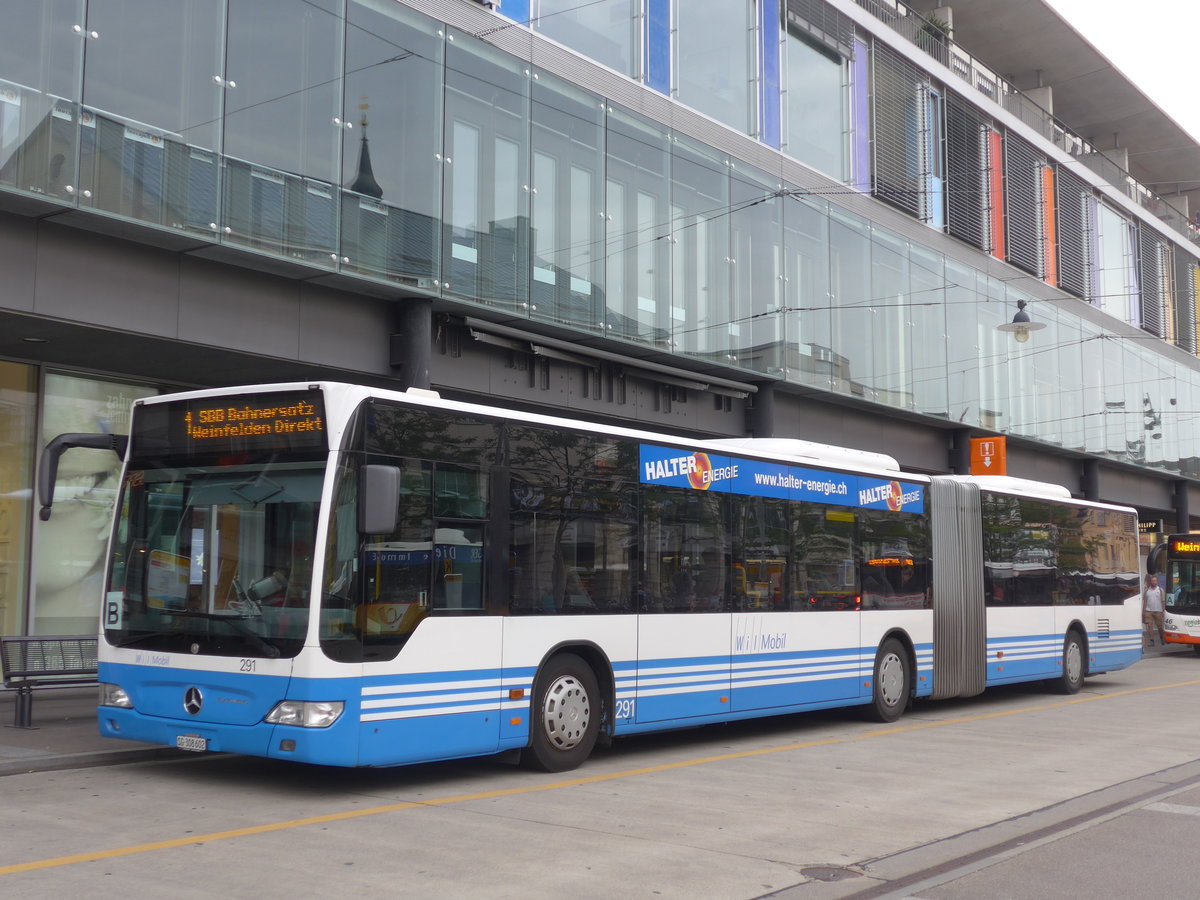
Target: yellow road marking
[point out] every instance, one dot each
(557, 785)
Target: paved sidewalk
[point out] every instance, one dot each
(65, 735)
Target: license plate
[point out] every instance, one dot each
(191, 742)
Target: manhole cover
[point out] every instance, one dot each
(828, 873)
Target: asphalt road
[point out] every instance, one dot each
(1019, 793)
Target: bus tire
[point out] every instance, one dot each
(892, 684)
(564, 716)
(1071, 678)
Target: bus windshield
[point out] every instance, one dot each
(214, 559)
(1183, 586)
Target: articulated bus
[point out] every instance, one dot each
(1177, 560)
(346, 576)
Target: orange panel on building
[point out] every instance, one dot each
(989, 456)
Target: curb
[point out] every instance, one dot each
(90, 760)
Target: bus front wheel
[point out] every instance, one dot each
(565, 717)
(892, 682)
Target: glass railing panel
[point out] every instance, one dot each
(279, 212)
(39, 136)
(252, 207)
(384, 241)
(142, 173)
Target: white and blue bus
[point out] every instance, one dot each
(348, 576)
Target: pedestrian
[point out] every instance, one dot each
(1152, 610)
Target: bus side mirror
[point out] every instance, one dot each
(1154, 560)
(48, 465)
(378, 499)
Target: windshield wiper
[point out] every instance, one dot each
(137, 639)
(236, 623)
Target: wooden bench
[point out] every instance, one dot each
(36, 661)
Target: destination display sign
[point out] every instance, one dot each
(1185, 545)
(287, 421)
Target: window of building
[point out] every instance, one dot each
(714, 59)
(755, 336)
(701, 262)
(638, 267)
(1023, 205)
(606, 32)
(901, 128)
(486, 184)
(1115, 283)
(925, 322)
(809, 344)
(816, 104)
(567, 196)
(850, 299)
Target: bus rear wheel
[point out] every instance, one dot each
(1071, 679)
(892, 682)
(565, 717)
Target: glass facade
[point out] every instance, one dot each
(391, 166)
(363, 137)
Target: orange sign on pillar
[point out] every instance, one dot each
(989, 456)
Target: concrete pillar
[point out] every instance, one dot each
(1089, 479)
(1042, 96)
(944, 14)
(1183, 513)
(762, 411)
(958, 456)
(410, 347)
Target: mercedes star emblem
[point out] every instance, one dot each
(193, 700)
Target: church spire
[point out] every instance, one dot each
(364, 179)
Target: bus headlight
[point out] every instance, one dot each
(306, 713)
(114, 695)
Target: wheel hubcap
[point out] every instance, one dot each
(1074, 662)
(891, 679)
(566, 712)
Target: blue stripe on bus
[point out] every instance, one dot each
(395, 719)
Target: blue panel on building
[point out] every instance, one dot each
(517, 10)
(768, 53)
(658, 45)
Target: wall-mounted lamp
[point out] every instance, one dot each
(1020, 326)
